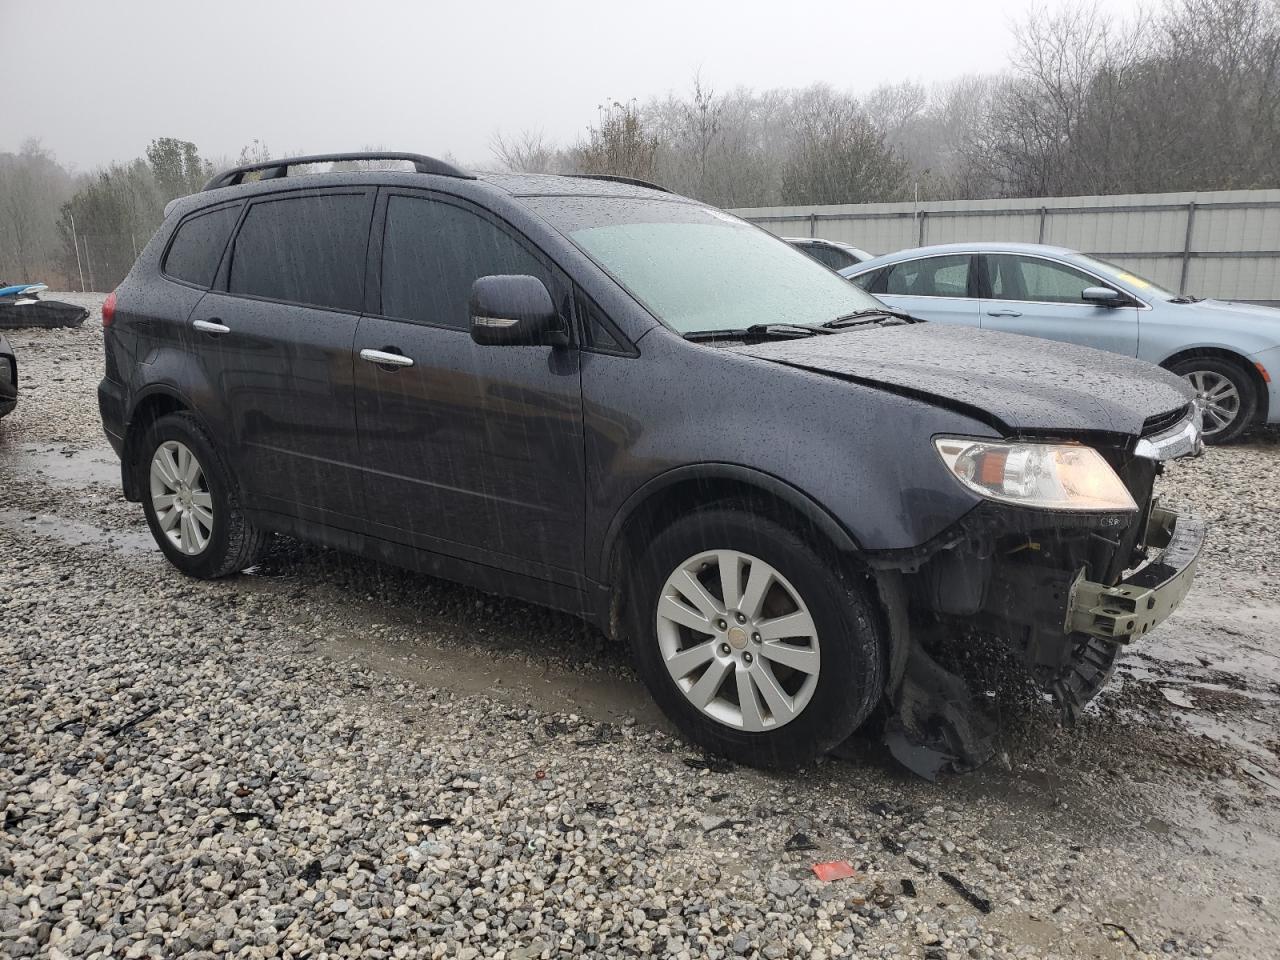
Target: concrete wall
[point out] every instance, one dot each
(1223, 244)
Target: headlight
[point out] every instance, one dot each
(1050, 476)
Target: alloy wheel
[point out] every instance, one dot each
(738, 640)
(181, 498)
(1218, 397)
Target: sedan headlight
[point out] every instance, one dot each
(1050, 476)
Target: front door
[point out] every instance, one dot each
(467, 450)
(275, 349)
(1040, 297)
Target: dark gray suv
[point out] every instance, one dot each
(622, 403)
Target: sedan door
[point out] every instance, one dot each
(941, 289)
(468, 450)
(1041, 297)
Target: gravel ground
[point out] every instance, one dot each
(334, 758)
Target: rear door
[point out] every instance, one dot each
(941, 289)
(1041, 297)
(275, 346)
(155, 324)
(473, 451)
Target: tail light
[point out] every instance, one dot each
(109, 309)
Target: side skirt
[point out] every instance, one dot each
(578, 602)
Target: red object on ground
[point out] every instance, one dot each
(834, 870)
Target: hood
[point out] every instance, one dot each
(1022, 385)
(1209, 311)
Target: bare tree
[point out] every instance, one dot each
(837, 155)
(620, 144)
(528, 153)
(32, 186)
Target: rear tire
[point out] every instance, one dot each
(806, 650)
(1228, 393)
(191, 501)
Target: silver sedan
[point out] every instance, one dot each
(1226, 350)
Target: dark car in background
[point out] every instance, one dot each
(640, 409)
(8, 377)
(831, 253)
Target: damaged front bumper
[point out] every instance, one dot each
(1147, 597)
(1026, 579)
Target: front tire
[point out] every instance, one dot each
(757, 646)
(191, 501)
(1227, 395)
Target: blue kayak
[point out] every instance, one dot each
(20, 288)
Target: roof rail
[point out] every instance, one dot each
(612, 179)
(280, 168)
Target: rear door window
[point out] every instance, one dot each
(434, 251)
(198, 244)
(833, 257)
(1015, 277)
(307, 250)
(931, 277)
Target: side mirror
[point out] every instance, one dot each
(1103, 296)
(515, 311)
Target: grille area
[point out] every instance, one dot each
(1163, 421)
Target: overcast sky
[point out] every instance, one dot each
(96, 81)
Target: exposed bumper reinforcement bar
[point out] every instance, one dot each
(1135, 605)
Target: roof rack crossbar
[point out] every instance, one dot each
(633, 181)
(273, 169)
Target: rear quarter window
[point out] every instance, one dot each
(198, 244)
(872, 281)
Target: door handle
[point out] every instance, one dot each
(210, 326)
(385, 358)
(1003, 313)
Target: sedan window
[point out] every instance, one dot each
(1016, 277)
(930, 277)
(833, 257)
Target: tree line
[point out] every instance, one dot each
(70, 230)
(1183, 98)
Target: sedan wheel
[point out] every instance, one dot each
(738, 640)
(181, 498)
(1219, 400)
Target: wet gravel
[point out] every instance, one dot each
(332, 758)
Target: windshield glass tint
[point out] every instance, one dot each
(697, 268)
(1140, 285)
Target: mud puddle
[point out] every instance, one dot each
(75, 533)
(61, 466)
(593, 695)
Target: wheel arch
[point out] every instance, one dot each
(1229, 356)
(670, 495)
(151, 404)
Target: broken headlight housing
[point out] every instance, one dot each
(1046, 476)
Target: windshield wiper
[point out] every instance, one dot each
(779, 331)
(879, 315)
(1186, 299)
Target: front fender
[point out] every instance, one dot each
(797, 499)
(859, 459)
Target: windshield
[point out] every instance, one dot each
(1121, 276)
(700, 269)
